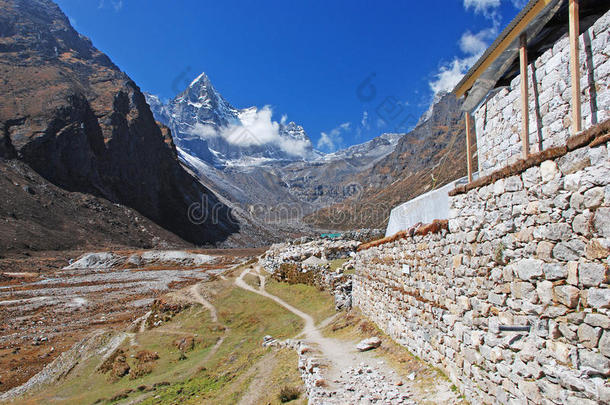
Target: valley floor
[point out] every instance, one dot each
(202, 343)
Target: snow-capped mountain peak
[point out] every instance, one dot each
(206, 126)
(202, 78)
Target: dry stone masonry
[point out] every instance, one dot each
(295, 252)
(308, 263)
(528, 252)
(498, 120)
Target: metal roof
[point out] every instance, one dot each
(547, 21)
(511, 26)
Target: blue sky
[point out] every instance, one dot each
(345, 70)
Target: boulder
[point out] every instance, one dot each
(368, 344)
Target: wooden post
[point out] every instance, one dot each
(575, 66)
(525, 123)
(468, 146)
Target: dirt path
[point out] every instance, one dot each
(196, 294)
(337, 352)
(343, 366)
(255, 392)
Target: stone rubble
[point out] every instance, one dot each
(107, 260)
(294, 252)
(362, 384)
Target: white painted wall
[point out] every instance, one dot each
(424, 208)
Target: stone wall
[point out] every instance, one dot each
(295, 252)
(498, 120)
(531, 249)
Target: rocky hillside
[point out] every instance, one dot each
(83, 125)
(37, 215)
(430, 156)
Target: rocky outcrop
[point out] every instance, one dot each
(69, 113)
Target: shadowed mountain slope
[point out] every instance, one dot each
(70, 114)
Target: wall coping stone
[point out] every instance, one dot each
(436, 226)
(592, 137)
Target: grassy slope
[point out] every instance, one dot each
(222, 378)
(319, 304)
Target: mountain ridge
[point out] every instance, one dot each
(70, 114)
(423, 159)
(207, 126)
(260, 176)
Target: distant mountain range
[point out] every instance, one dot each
(430, 156)
(259, 164)
(89, 160)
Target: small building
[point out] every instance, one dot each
(545, 78)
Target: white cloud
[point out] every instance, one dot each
(325, 142)
(255, 128)
(332, 140)
(451, 73)
(485, 7)
(364, 122)
(519, 3)
(472, 46)
(117, 5)
(475, 44)
(204, 131)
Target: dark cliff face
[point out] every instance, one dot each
(69, 113)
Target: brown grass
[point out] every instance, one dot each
(288, 394)
(141, 369)
(145, 356)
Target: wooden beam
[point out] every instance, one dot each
(501, 47)
(468, 145)
(575, 66)
(525, 110)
